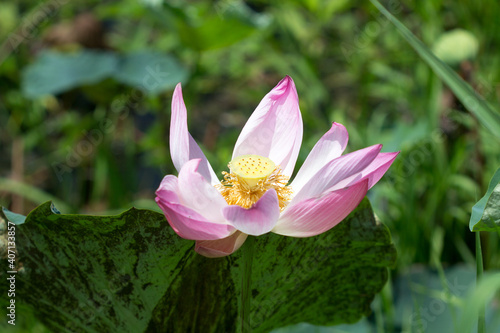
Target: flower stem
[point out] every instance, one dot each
(481, 324)
(246, 277)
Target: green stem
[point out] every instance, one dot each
(481, 324)
(246, 278)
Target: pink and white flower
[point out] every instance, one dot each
(255, 198)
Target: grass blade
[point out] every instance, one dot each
(464, 92)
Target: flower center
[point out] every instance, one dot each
(252, 168)
(250, 177)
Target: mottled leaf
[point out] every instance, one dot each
(486, 212)
(132, 273)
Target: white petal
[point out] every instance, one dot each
(198, 194)
(335, 171)
(182, 145)
(258, 219)
(329, 147)
(314, 216)
(274, 129)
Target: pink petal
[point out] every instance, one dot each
(182, 145)
(258, 219)
(168, 189)
(373, 172)
(186, 222)
(221, 247)
(335, 171)
(197, 193)
(274, 129)
(329, 147)
(314, 216)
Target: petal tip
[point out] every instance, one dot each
(193, 164)
(285, 84)
(177, 92)
(221, 247)
(339, 127)
(336, 124)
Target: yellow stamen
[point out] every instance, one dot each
(250, 177)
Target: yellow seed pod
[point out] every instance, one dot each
(252, 168)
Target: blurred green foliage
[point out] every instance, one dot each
(102, 145)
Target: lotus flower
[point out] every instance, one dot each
(255, 196)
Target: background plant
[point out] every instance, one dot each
(349, 63)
